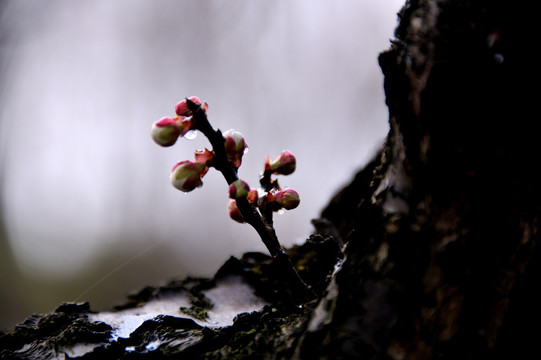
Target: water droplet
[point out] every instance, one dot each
(246, 149)
(190, 135)
(281, 211)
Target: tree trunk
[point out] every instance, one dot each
(431, 252)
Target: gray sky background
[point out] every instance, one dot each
(82, 82)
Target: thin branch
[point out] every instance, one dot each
(300, 291)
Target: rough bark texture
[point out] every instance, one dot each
(431, 252)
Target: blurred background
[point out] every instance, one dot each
(87, 212)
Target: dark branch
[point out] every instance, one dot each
(300, 291)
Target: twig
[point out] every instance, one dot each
(300, 291)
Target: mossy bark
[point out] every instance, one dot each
(432, 250)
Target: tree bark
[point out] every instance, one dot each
(431, 252)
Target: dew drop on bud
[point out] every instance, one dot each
(190, 135)
(281, 211)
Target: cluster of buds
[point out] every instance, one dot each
(253, 206)
(270, 197)
(187, 175)
(167, 130)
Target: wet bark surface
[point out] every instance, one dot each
(431, 251)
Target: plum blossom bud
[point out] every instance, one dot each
(238, 189)
(235, 147)
(288, 198)
(182, 108)
(284, 164)
(234, 212)
(186, 175)
(165, 131)
(204, 157)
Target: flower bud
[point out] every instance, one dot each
(238, 189)
(284, 164)
(182, 108)
(288, 198)
(235, 146)
(186, 175)
(234, 212)
(165, 131)
(204, 157)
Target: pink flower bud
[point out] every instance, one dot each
(204, 157)
(182, 109)
(288, 198)
(238, 189)
(186, 175)
(284, 164)
(235, 147)
(234, 212)
(165, 131)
